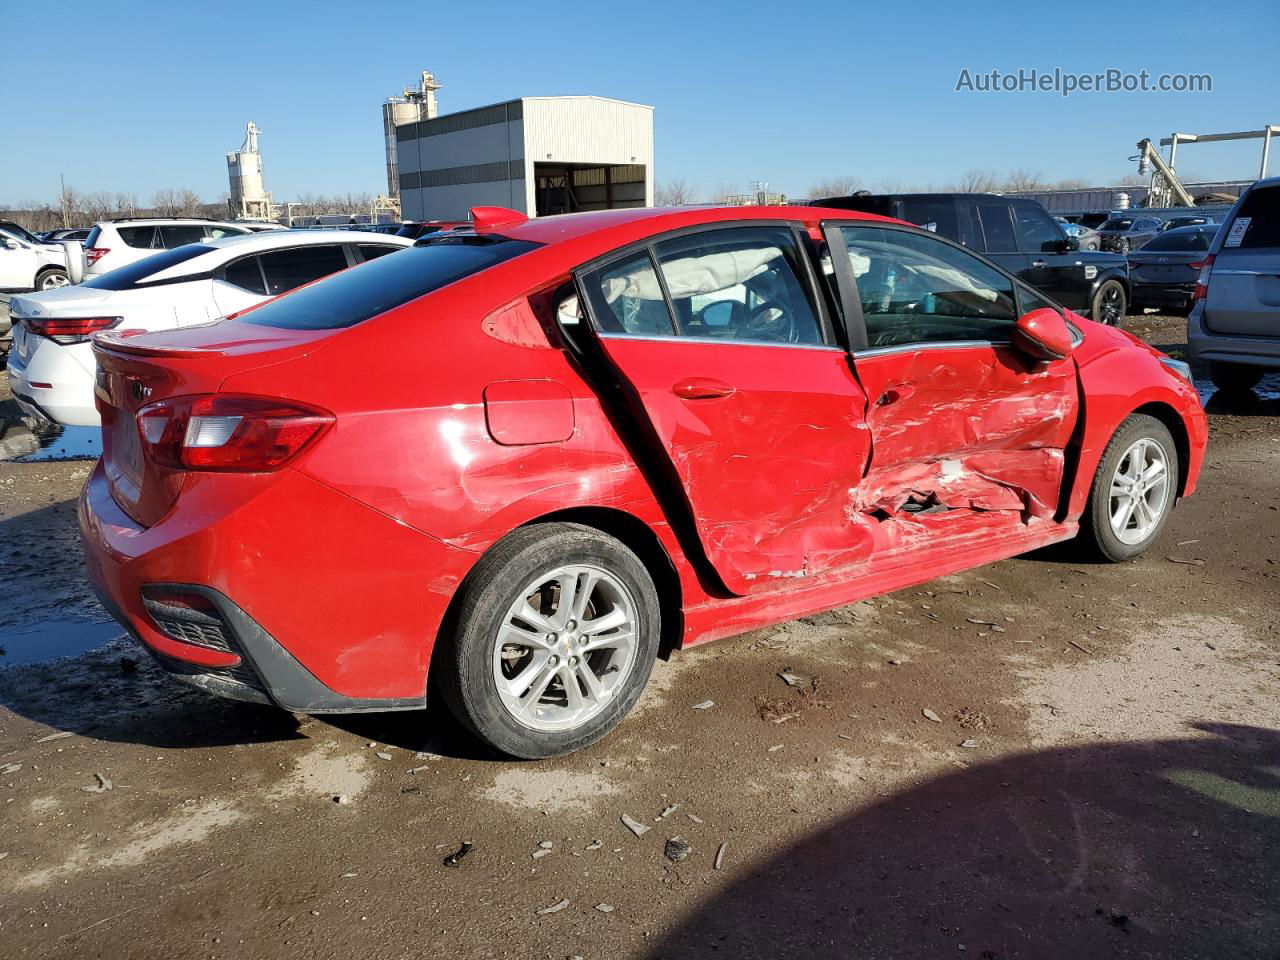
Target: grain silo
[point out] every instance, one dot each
(249, 197)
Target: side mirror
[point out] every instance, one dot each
(1042, 335)
(11, 244)
(1070, 244)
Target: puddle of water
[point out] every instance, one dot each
(1263, 399)
(50, 639)
(31, 440)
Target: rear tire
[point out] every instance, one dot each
(524, 670)
(1234, 377)
(1115, 525)
(52, 278)
(1110, 303)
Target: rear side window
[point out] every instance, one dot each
(1262, 209)
(217, 231)
(137, 236)
(177, 235)
(936, 215)
(997, 227)
(286, 269)
(247, 275)
(354, 296)
(1179, 242)
(372, 251)
(135, 274)
(1116, 225)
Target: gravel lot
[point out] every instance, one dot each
(1102, 779)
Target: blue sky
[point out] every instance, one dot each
(132, 97)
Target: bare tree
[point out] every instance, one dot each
(1020, 180)
(835, 187)
(1071, 183)
(675, 193)
(977, 181)
(68, 202)
(165, 202)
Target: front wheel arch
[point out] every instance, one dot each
(1178, 430)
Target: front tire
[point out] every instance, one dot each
(556, 633)
(52, 278)
(1110, 303)
(1133, 490)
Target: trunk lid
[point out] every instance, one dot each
(135, 371)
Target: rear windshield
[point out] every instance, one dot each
(1116, 225)
(1177, 240)
(355, 295)
(1262, 208)
(126, 278)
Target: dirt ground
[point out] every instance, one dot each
(1102, 778)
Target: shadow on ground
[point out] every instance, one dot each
(1165, 849)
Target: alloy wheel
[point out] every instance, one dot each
(1139, 491)
(54, 280)
(565, 648)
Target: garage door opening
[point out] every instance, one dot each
(571, 188)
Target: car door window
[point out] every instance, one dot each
(286, 269)
(371, 251)
(1036, 232)
(247, 275)
(626, 298)
(916, 288)
(740, 283)
(136, 236)
(217, 231)
(177, 235)
(997, 227)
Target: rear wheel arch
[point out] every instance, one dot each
(638, 537)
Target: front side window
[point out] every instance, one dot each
(286, 269)
(915, 288)
(1036, 232)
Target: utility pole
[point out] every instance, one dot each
(62, 201)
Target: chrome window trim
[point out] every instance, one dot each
(1245, 273)
(726, 342)
(930, 345)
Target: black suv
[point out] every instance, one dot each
(1020, 236)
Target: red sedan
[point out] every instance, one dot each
(509, 464)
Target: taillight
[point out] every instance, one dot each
(1202, 281)
(68, 329)
(228, 432)
(94, 254)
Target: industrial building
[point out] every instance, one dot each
(538, 155)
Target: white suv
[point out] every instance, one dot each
(51, 365)
(117, 243)
(28, 264)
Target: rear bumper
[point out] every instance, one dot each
(323, 605)
(1205, 345)
(1161, 294)
(68, 398)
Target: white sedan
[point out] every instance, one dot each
(51, 367)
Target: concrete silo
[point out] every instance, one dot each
(249, 197)
(410, 107)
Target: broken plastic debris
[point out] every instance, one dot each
(554, 908)
(102, 786)
(547, 844)
(383, 755)
(10, 768)
(635, 826)
(720, 855)
(539, 854)
(775, 748)
(693, 818)
(605, 907)
(704, 705)
(594, 845)
(668, 811)
(793, 679)
(677, 849)
(930, 715)
(55, 736)
(969, 744)
(453, 859)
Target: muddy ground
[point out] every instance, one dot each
(1102, 780)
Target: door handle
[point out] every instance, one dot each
(701, 388)
(1037, 263)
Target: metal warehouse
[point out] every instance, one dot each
(538, 155)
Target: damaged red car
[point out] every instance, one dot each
(510, 465)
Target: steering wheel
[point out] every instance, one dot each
(770, 320)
